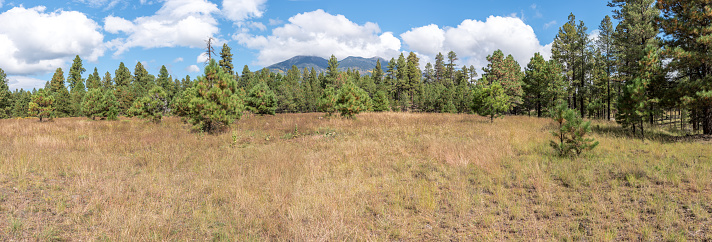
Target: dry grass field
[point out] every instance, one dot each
(383, 176)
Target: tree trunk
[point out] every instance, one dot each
(707, 120)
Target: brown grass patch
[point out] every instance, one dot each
(383, 176)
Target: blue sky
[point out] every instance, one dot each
(37, 37)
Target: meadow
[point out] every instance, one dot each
(382, 176)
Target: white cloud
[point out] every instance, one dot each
(202, 58)
(241, 10)
(275, 21)
(178, 23)
(321, 34)
(474, 40)
(107, 4)
(192, 69)
(179, 59)
(41, 42)
(26, 83)
(549, 24)
(1, 2)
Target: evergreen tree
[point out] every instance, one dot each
(41, 105)
(571, 132)
(92, 103)
(440, 68)
(352, 100)
(688, 44)
(152, 106)
(327, 102)
(450, 66)
(124, 92)
(261, 100)
(94, 81)
(543, 82)
(380, 102)
(110, 105)
(76, 85)
(107, 83)
(332, 71)
(377, 73)
(507, 73)
(214, 102)
(164, 81)
(490, 100)
(606, 46)
(62, 100)
(226, 60)
(5, 96)
(567, 49)
(21, 105)
(142, 81)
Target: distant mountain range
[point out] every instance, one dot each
(363, 65)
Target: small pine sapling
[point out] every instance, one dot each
(571, 132)
(352, 100)
(41, 105)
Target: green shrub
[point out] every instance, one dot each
(352, 100)
(261, 99)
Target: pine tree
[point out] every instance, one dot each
(110, 105)
(92, 103)
(543, 81)
(214, 102)
(332, 71)
(377, 73)
(440, 68)
(571, 132)
(569, 50)
(352, 100)
(5, 96)
(450, 66)
(507, 73)
(41, 105)
(94, 81)
(142, 81)
(21, 104)
(688, 43)
(261, 100)
(124, 92)
(107, 83)
(226, 60)
(490, 100)
(327, 102)
(380, 102)
(77, 87)
(605, 45)
(62, 99)
(152, 106)
(164, 81)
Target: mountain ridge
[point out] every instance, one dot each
(361, 64)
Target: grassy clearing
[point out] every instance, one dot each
(384, 176)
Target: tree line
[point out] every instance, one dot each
(652, 67)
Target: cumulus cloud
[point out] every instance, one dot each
(474, 40)
(240, 10)
(55, 38)
(192, 69)
(25, 83)
(321, 34)
(177, 23)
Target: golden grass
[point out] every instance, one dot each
(383, 176)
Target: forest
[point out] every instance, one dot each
(652, 68)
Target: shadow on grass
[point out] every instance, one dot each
(654, 134)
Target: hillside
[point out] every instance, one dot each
(363, 65)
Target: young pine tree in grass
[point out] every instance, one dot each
(571, 132)
(213, 102)
(152, 106)
(490, 100)
(352, 100)
(109, 105)
(41, 105)
(91, 103)
(261, 99)
(380, 102)
(327, 102)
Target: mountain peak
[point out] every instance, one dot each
(355, 63)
